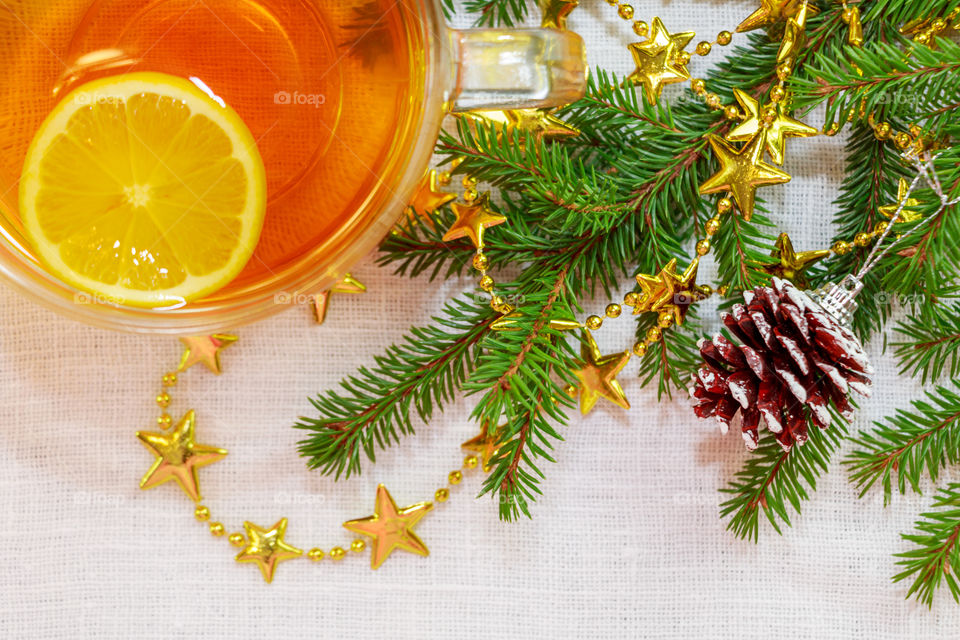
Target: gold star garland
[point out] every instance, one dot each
(178, 457)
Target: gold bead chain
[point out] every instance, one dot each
(238, 539)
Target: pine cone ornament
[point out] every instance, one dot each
(794, 360)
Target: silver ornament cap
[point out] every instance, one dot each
(839, 300)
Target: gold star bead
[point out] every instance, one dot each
(486, 445)
(598, 375)
(321, 301)
(772, 11)
(794, 35)
(178, 457)
(555, 13)
(205, 349)
(660, 39)
(267, 548)
(776, 131)
(541, 124)
(741, 172)
(656, 60)
(792, 266)
(908, 214)
(670, 291)
(429, 197)
(507, 322)
(391, 528)
(473, 218)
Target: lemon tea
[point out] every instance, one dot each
(329, 89)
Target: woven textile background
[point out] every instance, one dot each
(626, 542)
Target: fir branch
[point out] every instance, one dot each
(416, 248)
(773, 480)
(935, 557)
(878, 77)
(497, 13)
(908, 444)
(927, 257)
(897, 12)
(448, 9)
(514, 374)
(420, 375)
(932, 346)
(741, 248)
(674, 359)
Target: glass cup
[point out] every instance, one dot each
(450, 71)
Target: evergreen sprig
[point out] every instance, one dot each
(897, 77)
(672, 360)
(416, 377)
(931, 344)
(497, 13)
(520, 374)
(908, 444)
(935, 556)
(774, 481)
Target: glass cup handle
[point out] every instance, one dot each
(517, 69)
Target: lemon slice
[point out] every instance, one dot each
(143, 190)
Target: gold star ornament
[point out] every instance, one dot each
(792, 266)
(486, 444)
(178, 457)
(598, 375)
(267, 548)
(555, 13)
(773, 123)
(908, 214)
(794, 35)
(741, 172)
(660, 39)
(205, 349)
(656, 60)
(321, 301)
(669, 291)
(391, 528)
(541, 124)
(473, 218)
(773, 11)
(429, 197)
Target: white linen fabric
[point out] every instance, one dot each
(625, 543)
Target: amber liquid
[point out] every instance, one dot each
(328, 88)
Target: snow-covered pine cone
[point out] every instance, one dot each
(792, 362)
